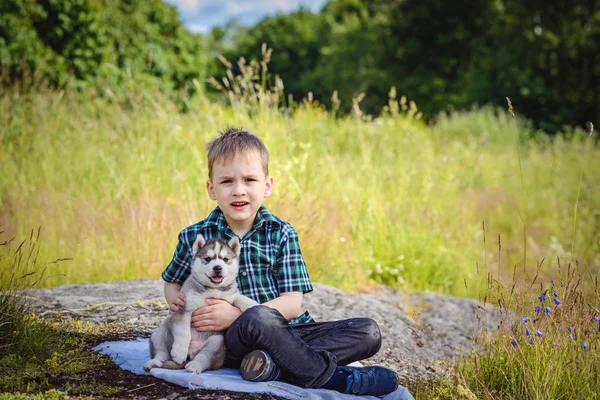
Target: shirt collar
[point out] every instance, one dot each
(217, 218)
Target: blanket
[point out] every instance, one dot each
(132, 354)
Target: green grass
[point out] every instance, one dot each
(112, 183)
(559, 359)
(31, 349)
(20, 331)
(51, 394)
(533, 355)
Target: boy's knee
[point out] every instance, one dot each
(259, 319)
(252, 329)
(262, 316)
(371, 335)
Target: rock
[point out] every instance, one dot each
(421, 332)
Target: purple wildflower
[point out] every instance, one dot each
(597, 319)
(570, 329)
(555, 294)
(584, 345)
(525, 320)
(557, 302)
(531, 340)
(547, 310)
(527, 331)
(587, 332)
(513, 342)
(542, 298)
(539, 334)
(538, 309)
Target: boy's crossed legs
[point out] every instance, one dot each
(309, 354)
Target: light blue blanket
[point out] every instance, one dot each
(132, 354)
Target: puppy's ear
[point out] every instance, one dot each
(235, 245)
(198, 243)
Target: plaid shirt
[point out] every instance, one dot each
(270, 261)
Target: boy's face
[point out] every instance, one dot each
(239, 186)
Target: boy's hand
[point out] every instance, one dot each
(177, 303)
(216, 316)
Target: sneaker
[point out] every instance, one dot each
(257, 366)
(372, 381)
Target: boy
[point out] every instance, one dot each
(273, 340)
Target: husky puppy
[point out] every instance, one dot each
(214, 272)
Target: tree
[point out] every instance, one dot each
(296, 40)
(544, 56)
(78, 41)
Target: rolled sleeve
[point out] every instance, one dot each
(179, 268)
(291, 273)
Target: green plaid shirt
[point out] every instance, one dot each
(270, 261)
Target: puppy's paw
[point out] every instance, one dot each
(178, 355)
(195, 366)
(154, 363)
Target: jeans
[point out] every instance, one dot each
(306, 354)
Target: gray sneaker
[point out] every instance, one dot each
(257, 366)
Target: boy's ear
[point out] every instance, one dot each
(235, 245)
(268, 186)
(198, 243)
(211, 190)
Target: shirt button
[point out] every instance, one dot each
(244, 273)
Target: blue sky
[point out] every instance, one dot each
(200, 16)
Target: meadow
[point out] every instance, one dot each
(112, 179)
(467, 205)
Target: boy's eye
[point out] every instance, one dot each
(226, 181)
(226, 259)
(250, 179)
(207, 259)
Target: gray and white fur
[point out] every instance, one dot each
(175, 344)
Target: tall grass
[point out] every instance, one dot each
(551, 350)
(20, 331)
(386, 199)
(33, 352)
(547, 346)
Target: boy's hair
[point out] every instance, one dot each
(230, 142)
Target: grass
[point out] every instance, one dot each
(112, 183)
(550, 352)
(32, 351)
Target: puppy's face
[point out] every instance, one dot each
(215, 261)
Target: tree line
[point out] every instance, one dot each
(443, 55)
(83, 43)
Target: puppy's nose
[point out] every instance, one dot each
(217, 269)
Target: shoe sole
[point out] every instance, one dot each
(256, 366)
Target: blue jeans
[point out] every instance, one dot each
(307, 354)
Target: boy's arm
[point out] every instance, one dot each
(173, 297)
(289, 304)
(218, 315)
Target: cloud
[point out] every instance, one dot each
(202, 15)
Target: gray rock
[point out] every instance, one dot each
(422, 332)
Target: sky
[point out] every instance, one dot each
(200, 16)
